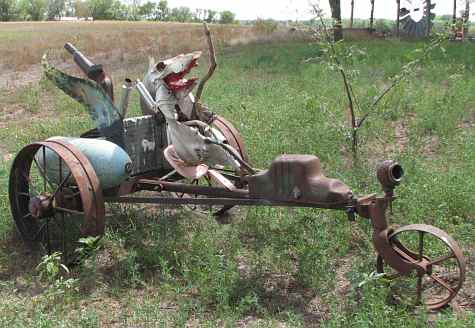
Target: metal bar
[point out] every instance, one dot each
(44, 163)
(67, 210)
(42, 172)
(60, 187)
(145, 184)
(124, 101)
(214, 201)
(442, 259)
(149, 101)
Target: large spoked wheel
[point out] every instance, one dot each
(55, 198)
(440, 266)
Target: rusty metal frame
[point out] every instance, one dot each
(372, 207)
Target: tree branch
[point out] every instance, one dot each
(212, 68)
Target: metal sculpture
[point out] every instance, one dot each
(416, 17)
(58, 187)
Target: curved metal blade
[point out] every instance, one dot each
(104, 114)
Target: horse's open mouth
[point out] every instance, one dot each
(177, 81)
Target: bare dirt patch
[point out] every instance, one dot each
(5, 155)
(282, 291)
(469, 122)
(10, 112)
(465, 300)
(17, 260)
(431, 144)
(401, 135)
(343, 285)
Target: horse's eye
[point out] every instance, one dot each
(160, 66)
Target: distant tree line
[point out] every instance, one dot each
(37, 10)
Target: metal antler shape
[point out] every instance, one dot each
(212, 68)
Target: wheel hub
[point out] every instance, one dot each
(41, 206)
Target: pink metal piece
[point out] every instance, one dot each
(187, 171)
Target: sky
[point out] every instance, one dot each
(299, 9)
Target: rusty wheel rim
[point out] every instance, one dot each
(55, 198)
(232, 135)
(439, 266)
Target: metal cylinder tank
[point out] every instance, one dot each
(110, 162)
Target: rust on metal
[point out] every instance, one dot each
(91, 181)
(432, 269)
(23, 202)
(209, 147)
(299, 178)
(232, 135)
(93, 71)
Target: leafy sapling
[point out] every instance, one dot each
(342, 57)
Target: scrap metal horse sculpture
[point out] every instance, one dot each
(197, 143)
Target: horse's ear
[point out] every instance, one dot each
(151, 63)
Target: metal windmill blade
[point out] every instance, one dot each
(414, 16)
(102, 111)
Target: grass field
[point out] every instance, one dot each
(267, 267)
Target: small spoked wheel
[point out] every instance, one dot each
(439, 266)
(55, 198)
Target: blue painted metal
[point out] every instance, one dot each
(110, 162)
(105, 115)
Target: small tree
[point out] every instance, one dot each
(8, 10)
(211, 16)
(33, 9)
(55, 8)
(81, 9)
(227, 17)
(120, 11)
(132, 10)
(341, 57)
(162, 11)
(147, 10)
(98, 8)
(181, 14)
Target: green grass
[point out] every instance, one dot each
(269, 266)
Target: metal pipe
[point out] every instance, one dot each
(234, 153)
(148, 99)
(145, 184)
(124, 101)
(217, 201)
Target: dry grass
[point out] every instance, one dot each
(23, 43)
